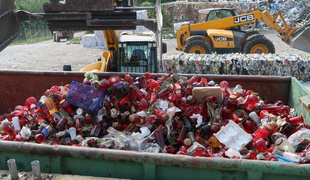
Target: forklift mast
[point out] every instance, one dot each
(79, 15)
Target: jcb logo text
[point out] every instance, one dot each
(220, 38)
(246, 18)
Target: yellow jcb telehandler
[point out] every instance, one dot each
(222, 33)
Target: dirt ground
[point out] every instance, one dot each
(51, 56)
(48, 56)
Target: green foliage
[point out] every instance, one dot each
(36, 6)
(32, 6)
(31, 41)
(166, 18)
(29, 32)
(151, 13)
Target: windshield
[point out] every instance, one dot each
(219, 14)
(137, 57)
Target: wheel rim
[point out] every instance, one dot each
(259, 48)
(197, 50)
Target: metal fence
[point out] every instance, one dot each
(31, 32)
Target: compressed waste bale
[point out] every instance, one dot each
(89, 40)
(181, 11)
(101, 43)
(238, 64)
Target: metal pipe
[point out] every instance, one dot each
(36, 170)
(13, 169)
(144, 7)
(159, 35)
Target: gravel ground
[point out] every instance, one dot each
(48, 56)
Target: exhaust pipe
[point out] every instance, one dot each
(36, 170)
(13, 169)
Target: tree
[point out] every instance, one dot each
(32, 6)
(152, 14)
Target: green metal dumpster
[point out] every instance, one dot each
(16, 86)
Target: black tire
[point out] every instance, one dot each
(66, 67)
(54, 35)
(57, 38)
(261, 40)
(198, 42)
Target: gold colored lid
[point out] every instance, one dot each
(233, 97)
(114, 124)
(96, 85)
(132, 118)
(239, 92)
(215, 124)
(165, 117)
(187, 141)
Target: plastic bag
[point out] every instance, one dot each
(299, 136)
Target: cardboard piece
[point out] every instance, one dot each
(200, 92)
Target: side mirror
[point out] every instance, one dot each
(164, 47)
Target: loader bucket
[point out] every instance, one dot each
(10, 28)
(301, 40)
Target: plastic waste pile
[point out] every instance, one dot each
(291, 10)
(181, 11)
(238, 64)
(162, 114)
